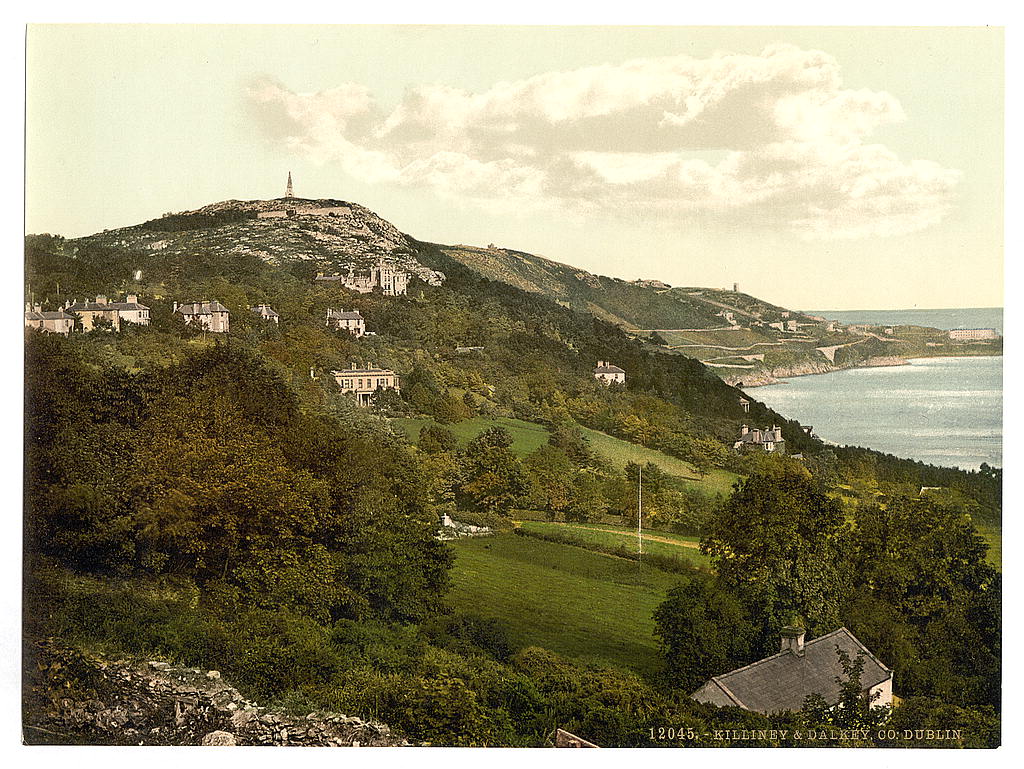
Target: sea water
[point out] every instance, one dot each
(943, 411)
(964, 317)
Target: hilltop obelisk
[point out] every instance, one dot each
(288, 191)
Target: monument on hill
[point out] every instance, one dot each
(288, 190)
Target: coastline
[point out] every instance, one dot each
(780, 374)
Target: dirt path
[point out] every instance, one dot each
(651, 537)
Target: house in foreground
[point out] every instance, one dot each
(364, 382)
(210, 316)
(783, 681)
(606, 373)
(50, 322)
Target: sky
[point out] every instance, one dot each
(818, 168)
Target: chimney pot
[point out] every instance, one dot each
(793, 639)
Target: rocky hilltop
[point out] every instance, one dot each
(329, 235)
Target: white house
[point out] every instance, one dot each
(606, 373)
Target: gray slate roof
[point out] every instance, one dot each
(96, 307)
(265, 310)
(762, 436)
(609, 370)
(201, 308)
(344, 315)
(782, 682)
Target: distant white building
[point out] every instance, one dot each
(351, 322)
(606, 373)
(972, 334)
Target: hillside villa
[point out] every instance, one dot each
(115, 313)
(606, 373)
(761, 440)
(210, 316)
(265, 312)
(50, 322)
(351, 322)
(782, 681)
(364, 382)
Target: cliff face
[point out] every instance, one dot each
(76, 698)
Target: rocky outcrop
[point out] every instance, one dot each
(776, 374)
(76, 698)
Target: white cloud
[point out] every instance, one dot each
(769, 140)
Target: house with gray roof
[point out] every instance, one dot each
(266, 312)
(761, 440)
(114, 313)
(783, 681)
(606, 373)
(50, 321)
(210, 316)
(351, 322)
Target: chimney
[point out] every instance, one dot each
(132, 298)
(38, 308)
(175, 309)
(101, 299)
(793, 640)
(744, 430)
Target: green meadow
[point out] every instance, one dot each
(655, 542)
(585, 605)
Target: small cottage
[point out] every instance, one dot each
(782, 681)
(606, 373)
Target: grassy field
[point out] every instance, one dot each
(585, 605)
(994, 537)
(657, 542)
(527, 437)
(619, 452)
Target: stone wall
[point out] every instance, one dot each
(76, 698)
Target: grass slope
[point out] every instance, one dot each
(656, 542)
(527, 437)
(620, 452)
(585, 605)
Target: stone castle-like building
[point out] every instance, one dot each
(391, 280)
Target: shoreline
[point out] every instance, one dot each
(779, 376)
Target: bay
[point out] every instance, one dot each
(943, 411)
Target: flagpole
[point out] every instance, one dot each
(640, 514)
